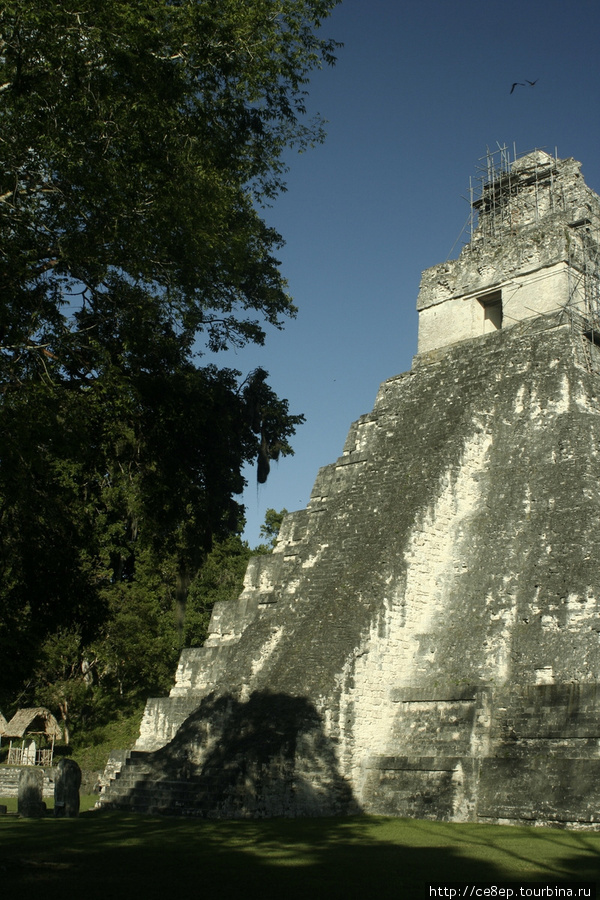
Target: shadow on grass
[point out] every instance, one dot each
(108, 854)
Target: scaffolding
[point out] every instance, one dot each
(510, 190)
(500, 191)
(584, 288)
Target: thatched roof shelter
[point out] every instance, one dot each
(2, 724)
(37, 720)
(31, 725)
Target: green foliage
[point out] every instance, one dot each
(137, 651)
(135, 136)
(137, 142)
(118, 728)
(220, 579)
(272, 526)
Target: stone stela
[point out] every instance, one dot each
(425, 638)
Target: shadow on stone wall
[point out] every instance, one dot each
(267, 756)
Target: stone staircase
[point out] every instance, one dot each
(120, 778)
(136, 788)
(216, 792)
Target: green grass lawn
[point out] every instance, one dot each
(108, 854)
(85, 803)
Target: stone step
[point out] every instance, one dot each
(156, 801)
(414, 763)
(196, 796)
(174, 788)
(559, 722)
(563, 746)
(133, 772)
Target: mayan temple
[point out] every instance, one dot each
(425, 639)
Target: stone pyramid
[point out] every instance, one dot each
(425, 638)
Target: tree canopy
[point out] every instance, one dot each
(135, 137)
(138, 140)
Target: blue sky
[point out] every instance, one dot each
(419, 92)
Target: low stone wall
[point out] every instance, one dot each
(9, 781)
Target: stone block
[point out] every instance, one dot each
(66, 789)
(30, 804)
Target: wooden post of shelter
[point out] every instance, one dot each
(3, 724)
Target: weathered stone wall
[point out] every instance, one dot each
(527, 295)
(425, 638)
(537, 225)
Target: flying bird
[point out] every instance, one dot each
(522, 83)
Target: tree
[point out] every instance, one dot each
(135, 136)
(220, 579)
(137, 141)
(271, 528)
